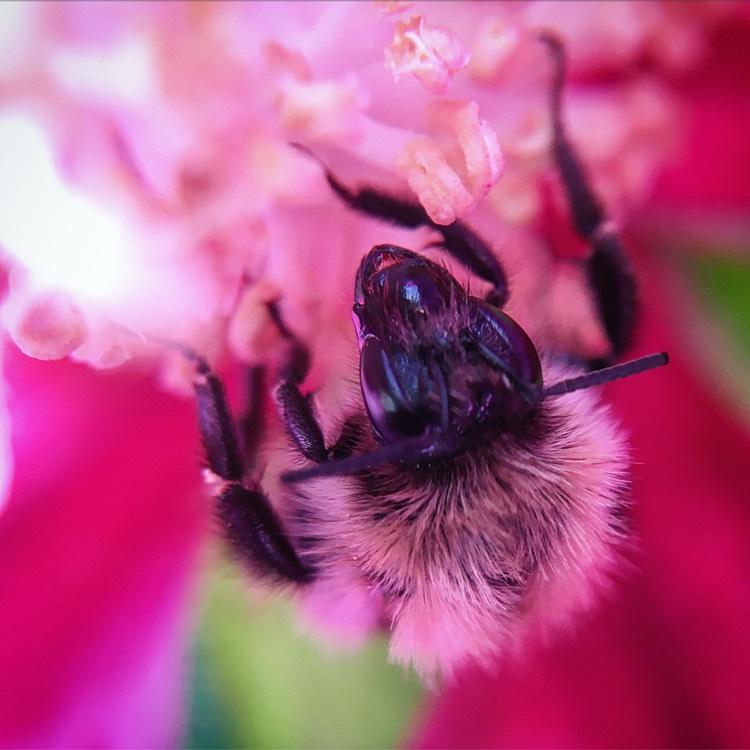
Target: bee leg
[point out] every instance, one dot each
(297, 409)
(250, 522)
(458, 240)
(251, 422)
(610, 274)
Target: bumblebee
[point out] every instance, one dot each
(476, 484)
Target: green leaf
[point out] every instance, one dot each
(723, 284)
(260, 683)
(209, 723)
(718, 326)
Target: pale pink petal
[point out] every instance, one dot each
(46, 326)
(494, 45)
(434, 54)
(440, 190)
(451, 172)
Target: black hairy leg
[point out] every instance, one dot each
(250, 523)
(251, 422)
(609, 271)
(457, 239)
(295, 408)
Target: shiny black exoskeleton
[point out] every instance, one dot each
(436, 364)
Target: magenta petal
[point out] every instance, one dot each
(714, 153)
(694, 517)
(666, 662)
(97, 553)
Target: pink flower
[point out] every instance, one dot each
(166, 177)
(155, 195)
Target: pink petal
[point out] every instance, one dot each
(714, 164)
(97, 550)
(694, 519)
(434, 54)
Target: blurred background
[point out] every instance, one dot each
(122, 622)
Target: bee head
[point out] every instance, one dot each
(440, 369)
(436, 363)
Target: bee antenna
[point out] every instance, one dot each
(353, 464)
(608, 374)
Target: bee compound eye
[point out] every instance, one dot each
(505, 344)
(392, 388)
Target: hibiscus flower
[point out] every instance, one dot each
(154, 194)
